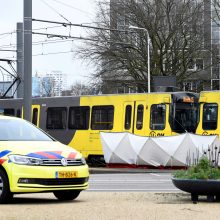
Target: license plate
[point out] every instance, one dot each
(66, 174)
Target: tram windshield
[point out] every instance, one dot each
(184, 116)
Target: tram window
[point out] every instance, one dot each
(157, 117)
(79, 117)
(7, 111)
(210, 116)
(35, 116)
(56, 118)
(140, 112)
(102, 117)
(128, 112)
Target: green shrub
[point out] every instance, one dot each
(203, 170)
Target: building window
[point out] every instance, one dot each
(56, 118)
(187, 86)
(199, 64)
(102, 117)
(210, 116)
(191, 64)
(128, 112)
(157, 117)
(120, 21)
(35, 116)
(79, 118)
(140, 113)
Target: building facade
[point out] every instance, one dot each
(49, 84)
(204, 70)
(59, 82)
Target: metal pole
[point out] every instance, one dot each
(148, 53)
(27, 59)
(148, 61)
(20, 60)
(211, 49)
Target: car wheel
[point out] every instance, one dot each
(66, 195)
(5, 193)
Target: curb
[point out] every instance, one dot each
(104, 170)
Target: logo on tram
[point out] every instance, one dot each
(154, 134)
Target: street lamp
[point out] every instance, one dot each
(148, 52)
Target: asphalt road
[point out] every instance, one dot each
(150, 182)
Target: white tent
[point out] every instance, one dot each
(121, 147)
(180, 150)
(107, 140)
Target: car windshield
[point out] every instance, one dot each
(20, 130)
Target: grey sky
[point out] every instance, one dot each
(75, 11)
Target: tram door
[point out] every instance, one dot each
(35, 118)
(128, 115)
(35, 114)
(139, 118)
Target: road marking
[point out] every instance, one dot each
(154, 174)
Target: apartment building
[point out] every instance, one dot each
(204, 70)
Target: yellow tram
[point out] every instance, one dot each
(209, 123)
(77, 121)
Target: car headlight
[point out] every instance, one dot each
(24, 160)
(83, 160)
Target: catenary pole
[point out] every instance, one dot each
(20, 60)
(27, 58)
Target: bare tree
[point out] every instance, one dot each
(79, 88)
(47, 86)
(176, 30)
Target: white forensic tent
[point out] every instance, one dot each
(126, 148)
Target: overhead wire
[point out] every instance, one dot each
(62, 24)
(55, 11)
(64, 38)
(56, 26)
(4, 35)
(73, 7)
(35, 43)
(34, 29)
(14, 31)
(8, 46)
(9, 58)
(47, 41)
(48, 5)
(52, 53)
(8, 33)
(81, 25)
(51, 41)
(8, 50)
(79, 38)
(14, 45)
